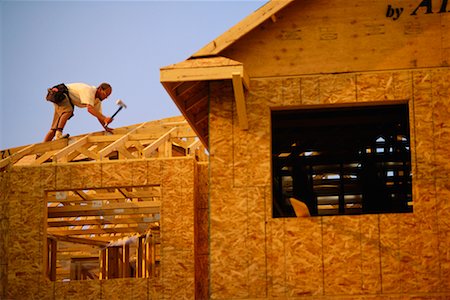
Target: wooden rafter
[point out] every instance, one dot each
(97, 221)
(240, 100)
(126, 143)
(147, 207)
(153, 146)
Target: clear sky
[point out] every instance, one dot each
(125, 43)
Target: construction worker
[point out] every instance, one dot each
(80, 95)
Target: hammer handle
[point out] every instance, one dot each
(117, 111)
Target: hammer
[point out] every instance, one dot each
(121, 104)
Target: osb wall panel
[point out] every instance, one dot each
(25, 233)
(443, 224)
(78, 290)
(125, 288)
(404, 254)
(23, 230)
(201, 231)
(177, 228)
(3, 232)
(337, 36)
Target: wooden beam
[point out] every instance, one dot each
(194, 145)
(130, 220)
(72, 232)
(189, 117)
(16, 156)
(92, 242)
(44, 157)
(196, 73)
(155, 145)
(239, 97)
(121, 141)
(61, 155)
(144, 207)
(91, 154)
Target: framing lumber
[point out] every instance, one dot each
(16, 156)
(153, 146)
(118, 143)
(239, 97)
(126, 143)
(72, 232)
(144, 207)
(79, 240)
(130, 220)
(61, 156)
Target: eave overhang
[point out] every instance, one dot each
(187, 84)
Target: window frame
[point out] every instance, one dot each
(390, 158)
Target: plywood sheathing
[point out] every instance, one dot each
(3, 232)
(404, 254)
(24, 192)
(328, 37)
(201, 239)
(187, 84)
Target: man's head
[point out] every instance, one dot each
(103, 91)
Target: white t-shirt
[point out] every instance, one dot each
(82, 94)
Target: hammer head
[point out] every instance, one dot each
(120, 103)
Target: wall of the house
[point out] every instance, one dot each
(23, 215)
(256, 256)
(322, 53)
(322, 36)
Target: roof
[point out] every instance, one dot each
(137, 141)
(86, 220)
(187, 81)
(265, 12)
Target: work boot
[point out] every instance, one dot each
(59, 135)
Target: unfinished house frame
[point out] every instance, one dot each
(221, 235)
(103, 216)
(312, 56)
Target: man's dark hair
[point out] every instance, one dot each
(105, 87)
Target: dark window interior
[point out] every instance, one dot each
(340, 161)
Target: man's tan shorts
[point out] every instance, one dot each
(64, 107)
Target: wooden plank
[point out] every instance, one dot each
(91, 154)
(121, 141)
(61, 155)
(199, 73)
(194, 145)
(88, 231)
(77, 240)
(44, 157)
(129, 220)
(156, 144)
(240, 100)
(16, 156)
(189, 118)
(124, 152)
(104, 138)
(147, 207)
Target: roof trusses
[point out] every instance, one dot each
(103, 215)
(163, 138)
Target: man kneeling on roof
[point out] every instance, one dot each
(80, 95)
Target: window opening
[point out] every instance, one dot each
(346, 160)
(103, 233)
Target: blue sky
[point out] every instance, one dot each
(124, 43)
